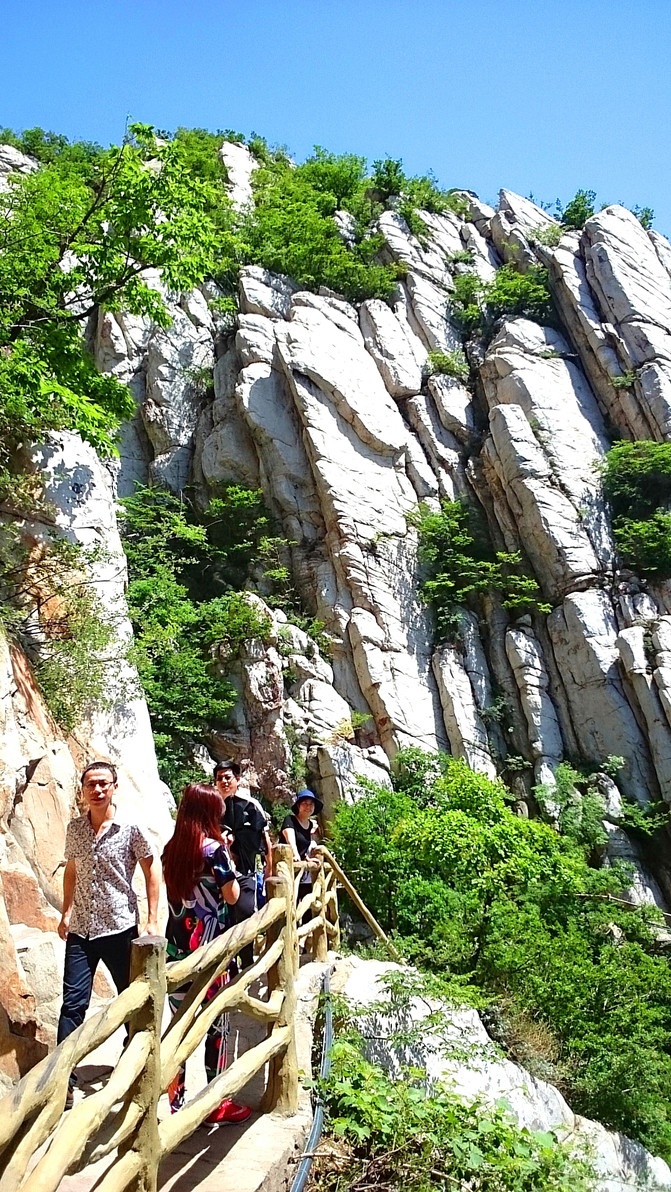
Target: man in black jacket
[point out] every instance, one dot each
(247, 825)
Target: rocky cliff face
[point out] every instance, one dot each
(330, 409)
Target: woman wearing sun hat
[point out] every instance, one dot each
(300, 831)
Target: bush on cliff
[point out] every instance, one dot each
(479, 304)
(637, 482)
(189, 620)
(397, 1137)
(460, 565)
(511, 908)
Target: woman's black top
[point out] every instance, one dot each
(303, 835)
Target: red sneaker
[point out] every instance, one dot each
(229, 1111)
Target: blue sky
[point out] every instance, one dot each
(537, 96)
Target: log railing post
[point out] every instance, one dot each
(320, 937)
(281, 1095)
(332, 914)
(148, 961)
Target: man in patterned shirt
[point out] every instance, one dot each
(99, 920)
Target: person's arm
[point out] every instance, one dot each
(69, 878)
(289, 835)
(152, 876)
(268, 860)
(231, 892)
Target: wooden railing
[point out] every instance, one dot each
(38, 1145)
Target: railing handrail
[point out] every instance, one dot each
(31, 1113)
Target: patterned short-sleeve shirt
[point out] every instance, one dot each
(104, 901)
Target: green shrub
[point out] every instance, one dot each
(637, 482)
(547, 234)
(478, 304)
(185, 570)
(579, 209)
(449, 364)
(644, 215)
(88, 223)
(50, 608)
(396, 1136)
(624, 381)
(637, 477)
(645, 546)
(461, 565)
(292, 230)
(512, 907)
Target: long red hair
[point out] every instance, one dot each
(199, 817)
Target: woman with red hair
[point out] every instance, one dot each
(201, 886)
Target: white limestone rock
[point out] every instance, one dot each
(333, 356)
(431, 313)
(631, 646)
(523, 211)
(549, 526)
(662, 248)
(325, 711)
(511, 225)
(195, 307)
(486, 260)
(347, 227)
(262, 398)
(240, 164)
(440, 446)
(532, 367)
(255, 340)
(478, 212)
(264, 293)
(427, 258)
(466, 730)
(355, 440)
(78, 487)
(544, 734)
(455, 406)
(398, 353)
(224, 450)
(584, 633)
(633, 293)
(339, 765)
(12, 161)
(597, 342)
(177, 360)
(643, 890)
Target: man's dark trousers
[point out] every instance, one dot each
(82, 957)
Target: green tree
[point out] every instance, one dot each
(637, 482)
(72, 240)
(189, 619)
(512, 908)
(460, 565)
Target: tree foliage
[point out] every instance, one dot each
(512, 907)
(479, 304)
(637, 482)
(77, 234)
(189, 617)
(400, 1138)
(460, 565)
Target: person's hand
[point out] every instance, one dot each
(64, 926)
(150, 928)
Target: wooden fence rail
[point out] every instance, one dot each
(39, 1144)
